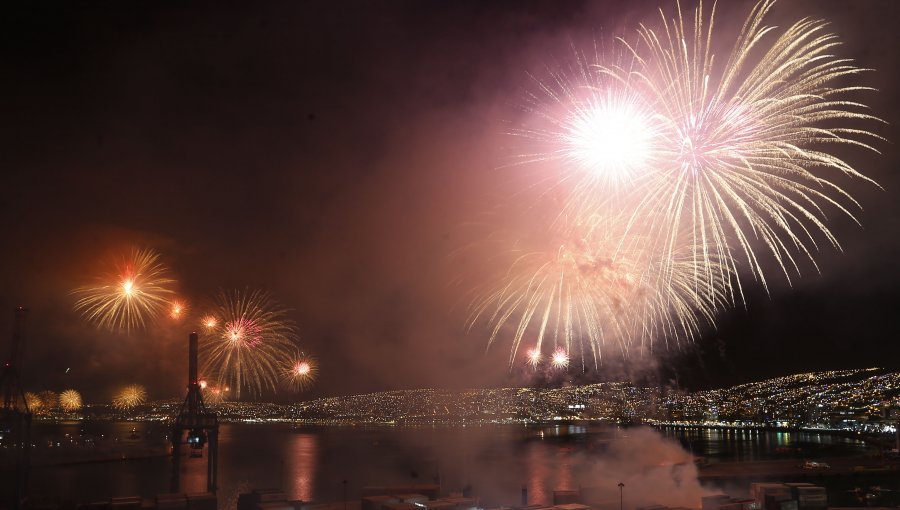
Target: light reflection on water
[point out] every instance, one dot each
(311, 463)
(301, 465)
(537, 474)
(749, 444)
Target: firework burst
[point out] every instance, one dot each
(70, 401)
(299, 372)
(49, 400)
(209, 323)
(34, 402)
(177, 310)
(129, 397)
(596, 132)
(136, 291)
(560, 359)
(599, 289)
(745, 138)
(251, 336)
(534, 358)
(714, 166)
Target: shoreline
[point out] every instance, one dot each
(100, 460)
(852, 466)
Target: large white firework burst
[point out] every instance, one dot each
(746, 172)
(593, 129)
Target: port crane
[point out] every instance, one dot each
(200, 423)
(15, 422)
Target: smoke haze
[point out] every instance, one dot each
(337, 157)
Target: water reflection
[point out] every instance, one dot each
(752, 445)
(310, 463)
(550, 463)
(537, 468)
(565, 478)
(302, 458)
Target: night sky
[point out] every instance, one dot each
(342, 158)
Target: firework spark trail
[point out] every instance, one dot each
(599, 289)
(129, 397)
(135, 292)
(299, 372)
(70, 400)
(250, 339)
(746, 140)
(213, 395)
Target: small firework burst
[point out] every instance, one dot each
(299, 372)
(534, 357)
(560, 359)
(70, 401)
(34, 402)
(134, 292)
(129, 397)
(177, 310)
(250, 337)
(209, 322)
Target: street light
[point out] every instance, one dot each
(621, 497)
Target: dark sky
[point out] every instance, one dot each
(339, 156)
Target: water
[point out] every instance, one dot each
(325, 463)
(727, 445)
